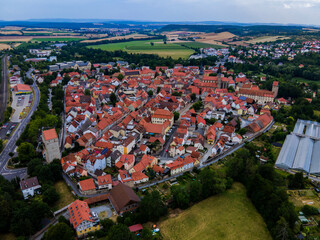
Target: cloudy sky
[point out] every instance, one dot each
(253, 11)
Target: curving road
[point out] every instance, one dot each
(11, 144)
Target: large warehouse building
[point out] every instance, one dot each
(301, 149)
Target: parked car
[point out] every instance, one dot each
(5, 125)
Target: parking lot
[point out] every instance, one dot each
(19, 103)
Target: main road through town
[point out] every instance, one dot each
(11, 144)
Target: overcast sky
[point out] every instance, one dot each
(263, 11)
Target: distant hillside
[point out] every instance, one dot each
(237, 30)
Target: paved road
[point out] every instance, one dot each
(11, 144)
(3, 87)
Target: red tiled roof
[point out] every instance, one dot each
(49, 134)
(87, 184)
(79, 211)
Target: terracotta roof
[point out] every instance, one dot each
(162, 113)
(87, 184)
(103, 180)
(79, 211)
(136, 176)
(49, 134)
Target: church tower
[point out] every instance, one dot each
(219, 81)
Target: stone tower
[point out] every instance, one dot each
(275, 88)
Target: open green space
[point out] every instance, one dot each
(229, 215)
(66, 197)
(57, 39)
(199, 45)
(164, 50)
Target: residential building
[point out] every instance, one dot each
(123, 199)
(30, 187)
(82, 219)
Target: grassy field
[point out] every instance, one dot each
(200, 45)
(230, 216)
(66, 196)
(62, 39)
(170, 49)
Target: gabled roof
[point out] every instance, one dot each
(87, 184)
(122, 195)
(79, 211)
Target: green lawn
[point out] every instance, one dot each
(57, 39)
(66, 197)
(200, 45)
(170, 49)
(230, 215)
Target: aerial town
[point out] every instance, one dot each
(136, 130)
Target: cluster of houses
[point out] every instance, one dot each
(277, 50)
(120, 125)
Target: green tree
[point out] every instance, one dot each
(87, 92)
(120, 77)
(25, 152)
(59, 231)
(180, 197)
(120, 232)
(176, 116)
(296, 181)
(309, 210)
(113, 99)
(193, 97)
(152, 207)
(150, 93)
(50, 195)
(195, 188)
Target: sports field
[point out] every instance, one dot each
(230, 215)
(164, 50)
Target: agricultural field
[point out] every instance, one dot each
(218, 217)
(266, 39)
(57, 39)
(15, 38)
(134, 36)
(10, 32)
(200, 45)
(4, 46)
(304, 197)
(215, 38)
(164, 50)
(66, 196)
